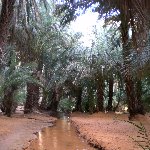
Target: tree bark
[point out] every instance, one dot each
(33, 91)
(100, 97)
(129, 82)
(54, 101)
(110, 95)
(79, 99)
(8, 100)
(100, 92)
(6, 16)
(44, 102)
(91, 107)
(127, 46)
(32, 98)
(130, 96)
(139, 97)
(55, 98)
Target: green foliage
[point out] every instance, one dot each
(16, 74)
(146, 93)
(20, 95)
(89, 99)
(66, 105)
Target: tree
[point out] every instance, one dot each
(110, 95)
(132, 15)
(6, 16)
(27, 34)
(24, 44)
(12, 77)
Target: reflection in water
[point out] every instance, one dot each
(40, 140)
(60, 137)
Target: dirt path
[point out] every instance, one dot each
(17, 131)
(102, 130)
(108, 131)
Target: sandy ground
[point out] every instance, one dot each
(16, 132)
(109, 131)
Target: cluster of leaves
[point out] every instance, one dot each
(66, 105)
(15, 74)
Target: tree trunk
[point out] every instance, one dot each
(79, 99)
(139, 97)
(100, 93)
(8, 100)
(131, 96)
(44, 102)
(56, 94)
(33, 92)
(6, 16)
(54, 103)
(110, 95)
(32, 98)
(120, 90)
(91, 106)
(134, 98)
(127, 46)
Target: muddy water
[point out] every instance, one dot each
(60, 137)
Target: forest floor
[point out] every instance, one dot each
(110, 131)
(17, 132)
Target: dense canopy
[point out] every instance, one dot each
(45, 66)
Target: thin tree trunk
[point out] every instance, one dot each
(100, 98)
(110, 95)
(54, 103)
(79, 99)
(100, 92)
(91, 108)
(140, 106)
(44, 103)
(120, 90)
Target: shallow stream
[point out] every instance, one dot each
(62, 136)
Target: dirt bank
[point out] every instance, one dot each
(16, 132)
(102, 130)
(108, 131)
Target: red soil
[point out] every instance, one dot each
(16, 132)
(103, 130)
(109, 131)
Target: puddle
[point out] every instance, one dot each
(62, 136)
